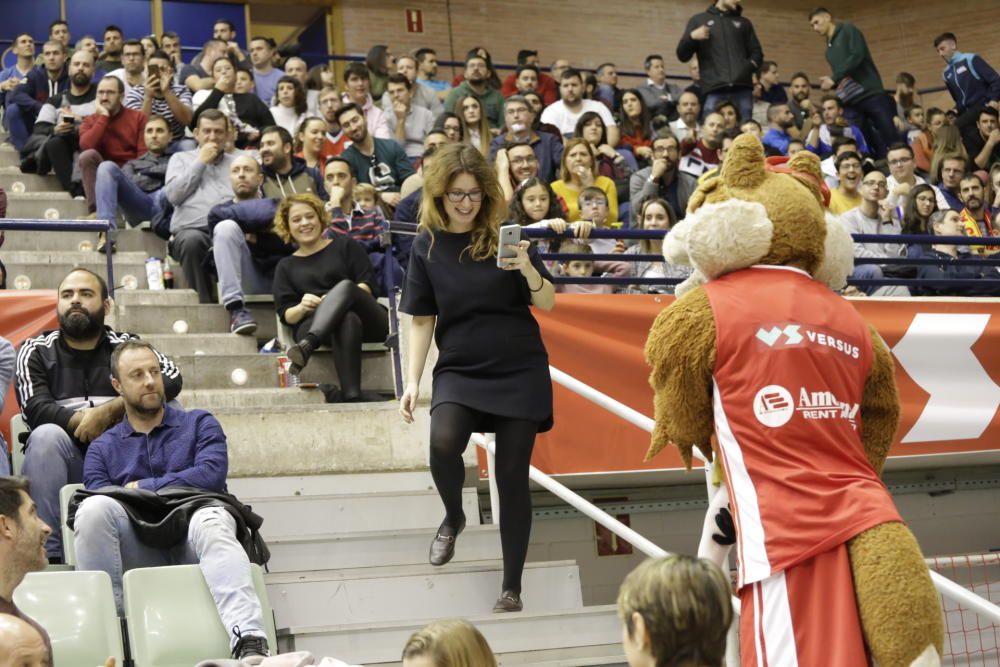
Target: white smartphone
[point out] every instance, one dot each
(509, 235)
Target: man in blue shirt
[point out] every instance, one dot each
(972, 84)
(780, 120)
(154, 447)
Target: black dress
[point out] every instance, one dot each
(491, 355)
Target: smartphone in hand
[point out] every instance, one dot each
(509, 235)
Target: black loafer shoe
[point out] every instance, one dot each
(507, 602)
(443, 546)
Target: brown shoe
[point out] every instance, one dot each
(443, 546)
(507, 602)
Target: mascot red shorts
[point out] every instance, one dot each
(805, 616)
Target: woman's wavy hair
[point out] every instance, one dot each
(300, 93)
(517, 212)
(281, 215)
(450, 161)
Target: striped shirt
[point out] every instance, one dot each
(134, 98)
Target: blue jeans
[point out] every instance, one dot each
(105, 540)
(51, 461)
(19, 125)
(235, 265)
(741, 97)
(873, 116)
(113, 189)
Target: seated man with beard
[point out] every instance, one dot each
(64, 390)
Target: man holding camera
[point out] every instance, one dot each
(160, 96)
(381, 162)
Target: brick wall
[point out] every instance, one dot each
(899, 32)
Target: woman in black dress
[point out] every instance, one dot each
(324, 291)
(492, 373)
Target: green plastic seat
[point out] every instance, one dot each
(77, 609)
(68, 536)
(17, 427)
(172, 620)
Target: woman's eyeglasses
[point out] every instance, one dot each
(456, 197)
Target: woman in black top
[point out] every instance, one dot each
(324, 291)
(492, 372)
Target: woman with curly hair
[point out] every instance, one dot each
(492, 372)
(325, 292)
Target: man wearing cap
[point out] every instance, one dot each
(547, 87)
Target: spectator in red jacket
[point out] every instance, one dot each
(112, 132)
(547, 86)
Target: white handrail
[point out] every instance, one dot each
(945, 586)
(581, 504)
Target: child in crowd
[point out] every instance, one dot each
(594, 209)
(368, 198)
(675, 610)
(535, 204)
(915, 118)
(655, 214)
(579, 268)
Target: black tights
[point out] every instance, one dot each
(345, 318)
(451, 426)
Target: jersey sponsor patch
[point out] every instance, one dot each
(962, 69)
(790, 334)
(774, 406)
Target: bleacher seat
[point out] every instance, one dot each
(68, 536)
(17, 427)
(77, 609)
(172, 620)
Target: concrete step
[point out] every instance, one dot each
(150, 319)
(45, 270)
(129, 240)
(198, 344)
(261, 370)
(324, 439)
(400, 593)
(268, 398)
(320, 485)
(158, 298)
(230, 371)
(376, 548)
(344, 513)
(9, 157)
(45, 205)
(10, 176)
(508, 634)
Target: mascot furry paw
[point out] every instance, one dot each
(801, 396)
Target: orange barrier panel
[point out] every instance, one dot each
(23, 313)
(947, 355)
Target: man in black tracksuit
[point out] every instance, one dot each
(65, 393)
(728, 54)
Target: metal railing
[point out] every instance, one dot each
(35, 225)
(944, 586)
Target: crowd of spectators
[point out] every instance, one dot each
(82, 114)
(268, 176)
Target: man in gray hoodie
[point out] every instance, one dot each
(196, 181)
